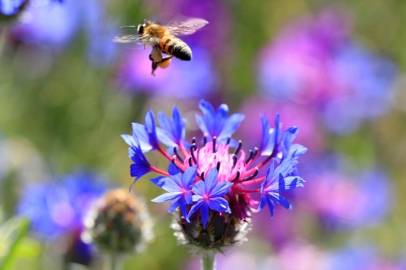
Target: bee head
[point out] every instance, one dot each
(141, 27)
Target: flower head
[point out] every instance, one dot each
(208, 179)
(118, 222)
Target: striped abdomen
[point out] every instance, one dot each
(176, 47)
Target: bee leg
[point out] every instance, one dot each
(154, 67)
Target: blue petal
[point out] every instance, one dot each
(286, 167)
(271, 205)
(188, 198)
(183, 209)
(173, 169)
(218, 204)
(202, 124)
(220, 189)
(287, 138)
(141, 134)
(211, 181)
(194, 208)
(159, 181)
(165, 138)
(290, 182)
(296, 151)
(174, 184)
(151, 129)
(231, 125)
(178, 124)
(199, 188)
(206, 108)
(268, 137)
(280, 199)
(196, 198)
(262, 203)
(175, 203)
(137, 170)
(189, 176)
(204, 213)
(167, 197)
(128, 139)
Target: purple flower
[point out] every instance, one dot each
(59, 208)
(277, 181)
(172, 132)
(179, 188)
(208, 195)
(216, 123)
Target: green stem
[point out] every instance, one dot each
(113, 261)
(208, 261)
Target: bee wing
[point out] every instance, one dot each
(126, 39)
(186, 27)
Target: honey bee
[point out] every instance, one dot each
(163, 40)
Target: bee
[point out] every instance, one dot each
(163, 40)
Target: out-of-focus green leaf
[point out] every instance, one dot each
(12, 232)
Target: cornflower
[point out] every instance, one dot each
(209, 179)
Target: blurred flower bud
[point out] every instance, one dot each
(223, 231)
(119, 223)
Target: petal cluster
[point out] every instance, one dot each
(213, 175)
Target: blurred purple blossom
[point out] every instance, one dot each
(181, 79)
(58, 208)
(316, 62)
(346, 200)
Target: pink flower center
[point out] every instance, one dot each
(229, 166)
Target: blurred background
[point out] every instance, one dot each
(335, 69)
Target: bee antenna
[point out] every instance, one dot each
(129, 26)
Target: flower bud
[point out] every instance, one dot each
(119, 223)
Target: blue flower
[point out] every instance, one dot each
(277, 181)
(146, 134)
(208, 195)
(179, 188)
(141, 165)
(216, 123)
(172, 132)
(11, 7)
(60, 207)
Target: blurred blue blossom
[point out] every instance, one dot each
(11, 7)
(316, 62)
(54, 24)
(59, 207)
